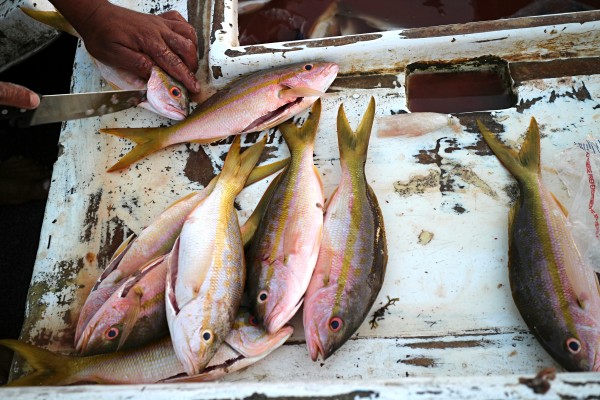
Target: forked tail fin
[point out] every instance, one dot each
(49, 368)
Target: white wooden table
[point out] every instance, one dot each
(455, 332)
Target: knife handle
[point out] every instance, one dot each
(18, 117)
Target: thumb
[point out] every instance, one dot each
(18, 96)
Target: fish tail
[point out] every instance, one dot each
(262, 171)
(296, 138)
(238, 166)
(148, 141)
(49, 368)
(526, 162)
(251, 225)
(354, 145)
(54, 19)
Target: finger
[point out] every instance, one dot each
(18, 96)
(174, 66)
(172, 15)
(184, 29)
(185, 49)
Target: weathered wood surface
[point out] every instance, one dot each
(445, 200)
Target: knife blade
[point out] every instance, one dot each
(65, 107)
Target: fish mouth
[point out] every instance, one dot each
(315, 347)
(279, 316)
(177, 114)
(271, 116)
(83, 342)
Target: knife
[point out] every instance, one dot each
(64, 107)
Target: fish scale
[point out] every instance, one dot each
(253, 103)
(353, 254)
(283, 252)
(206, 271)
(555, 290)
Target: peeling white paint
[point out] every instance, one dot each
(455, 320)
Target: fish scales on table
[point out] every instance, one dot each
(165, 95)
(93, 334)
(155, 362)
(353, 253)
(206, 268)
(283, 252)
(555, 290)
(253, 103)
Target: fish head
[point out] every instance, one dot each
(108, 329)
(576, 352)
(274, 305)
(317, 76)
(167, 96)
(94, 302)
(326, 325)
(249, 338)
(194, 344)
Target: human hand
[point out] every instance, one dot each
(18, 96)
(136, 41)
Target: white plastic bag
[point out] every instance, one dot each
(579, 169)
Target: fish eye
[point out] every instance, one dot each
(175, 92)
(335, 324)
(573, 345)
(252, 320)
(112, 332)
(308, 67)
(207, 336)
(262, 296)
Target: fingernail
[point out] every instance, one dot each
(34, 100)
(197, 87)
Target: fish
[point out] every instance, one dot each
(132, 316)
(353, 257)
(253, 103)
(414, 124)
(152, 363)
(555, 290)
(165, 95)
(207, 268)
(283, 253)
(134, 254)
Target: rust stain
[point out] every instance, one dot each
(388, 81)
(90, 257)
(469, 122)
(115, 232)
(581, 94)
(198, 167)
(250, 50)
(216, 71)
(425, 362)
(218, 18)
(530, 70)
(337, 41)
(91, 216)
(498, 25)
(458, 344)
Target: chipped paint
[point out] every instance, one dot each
(452, 318)
(425, 237)
(418, 184)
